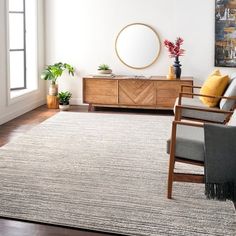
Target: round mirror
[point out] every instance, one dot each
(137, 46)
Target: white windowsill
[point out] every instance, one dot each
(20, 92)
(16, 96)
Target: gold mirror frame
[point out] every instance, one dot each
(158, 41)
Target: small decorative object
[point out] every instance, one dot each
(171, 73)
(175, 51)
(104, 69)
(64, 100)
(52, 72)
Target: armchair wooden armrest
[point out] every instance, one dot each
(181, 94)
(187, 123)
(179, 108)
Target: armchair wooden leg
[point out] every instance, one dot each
(170, 177)
(171, 161)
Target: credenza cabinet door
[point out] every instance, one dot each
(137, 92)
(100, 91)
(168, 91)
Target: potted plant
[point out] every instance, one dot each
(104, 69)
(64, 100)
(53, 72)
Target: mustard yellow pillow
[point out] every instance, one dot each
(215, 85)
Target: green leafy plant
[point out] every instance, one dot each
(64, 97)
(52, 72)
(103, 67)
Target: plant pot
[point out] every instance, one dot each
(64, 107)
(53, 89)
(105, 71)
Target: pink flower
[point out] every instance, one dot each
(174, 49)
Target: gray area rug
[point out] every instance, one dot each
(105, 172)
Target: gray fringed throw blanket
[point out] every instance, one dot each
(220, 162)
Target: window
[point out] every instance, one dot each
(22, 28)
(17, 44)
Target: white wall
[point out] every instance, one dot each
(10, 109)
(83, 32)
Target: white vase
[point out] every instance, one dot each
(64, 107)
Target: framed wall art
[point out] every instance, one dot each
(225, 33)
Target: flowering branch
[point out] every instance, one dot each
(174, 49)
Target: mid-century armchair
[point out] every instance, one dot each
(187, 145)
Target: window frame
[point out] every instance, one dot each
(19, 49)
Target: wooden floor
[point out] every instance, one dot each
(19, 126)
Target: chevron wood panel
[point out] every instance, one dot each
(137, 92)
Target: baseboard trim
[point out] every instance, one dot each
(12, 115)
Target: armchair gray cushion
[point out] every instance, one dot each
(233, 76)
(227, 104)
(189, 143)
(200, 115)
(232, 121)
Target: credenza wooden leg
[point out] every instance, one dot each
(90, 107)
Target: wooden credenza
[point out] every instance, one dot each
(155, 92)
